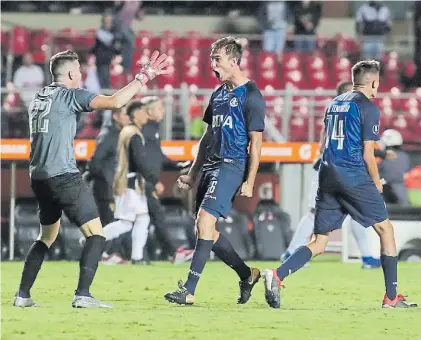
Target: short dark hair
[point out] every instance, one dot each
(57, 60)
(133, 106)
(232, 46)
(360, 69)
(342, 86)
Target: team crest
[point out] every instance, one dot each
(376, 129)
(234, 102)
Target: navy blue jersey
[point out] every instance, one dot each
(350, 120)
(232, 115)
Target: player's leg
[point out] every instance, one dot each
(329, 216)
(49, 213)
(360, 234)
(302, 234)
(306, 225)
(228, 184)
(139, 238)
(205, 224)
(389, 261)
(366, 205)
(78, 203)
(117, 228)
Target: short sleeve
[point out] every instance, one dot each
(370, 121)
(207, 118)
(255, 109)
(81, 100)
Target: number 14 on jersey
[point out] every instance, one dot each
(337, 133)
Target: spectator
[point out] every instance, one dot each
(373, 23)
(306, 20)
(273, 18)
(28, 78)
(393, 171)
(107, 45)
(125, 12)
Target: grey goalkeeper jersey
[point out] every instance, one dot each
(52, 121)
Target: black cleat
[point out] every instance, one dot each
(181, 296)
(272, 287)
(247, 285)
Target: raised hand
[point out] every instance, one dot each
(155, 66)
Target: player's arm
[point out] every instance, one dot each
(370, 160)
(153, 68)
(370, 124)
(256, 141)
(201, 154)
(255, 110)
(137, 155)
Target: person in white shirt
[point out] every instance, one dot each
(28, 78)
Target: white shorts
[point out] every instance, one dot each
(313, 190)
(129, 205)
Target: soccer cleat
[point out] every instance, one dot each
(247, 285)
(370, 262)
(272, 287)
(113, 259)
(400, 301)
(24, 302)
(182, 255)
(181, 296)
(88, 302)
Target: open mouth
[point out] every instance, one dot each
(217, 74)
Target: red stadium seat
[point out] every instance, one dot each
(41, 39)
(291, 61)
(39, 56)
(298, 125)
(5, 40)
(20, 40)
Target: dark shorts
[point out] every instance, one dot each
(68, 193)
(217, 189)
(363, 203)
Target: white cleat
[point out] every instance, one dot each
(88, 302)
(24, 302)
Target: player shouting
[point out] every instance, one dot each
(235, 118)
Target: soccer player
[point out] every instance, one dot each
(349, 183)
(306, 225)
(131, 208)
(235, 118)
(55, 178)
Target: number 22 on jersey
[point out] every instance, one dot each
(38, 111)
(337, 132)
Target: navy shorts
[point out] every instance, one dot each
(364, 203)
(217, 189)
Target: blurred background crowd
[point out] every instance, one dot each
(284, 44)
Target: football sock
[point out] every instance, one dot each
(360, 235)
(117, 228)
(200, 256)
(88, 264)
(225, 251)
(139, 236)
(33, 263)
(390, 272)
(302, 234)
(297, 260)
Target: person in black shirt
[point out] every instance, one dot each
(103, 163)
(157, 160)
(133, 170)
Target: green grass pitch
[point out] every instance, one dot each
(329, 300)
